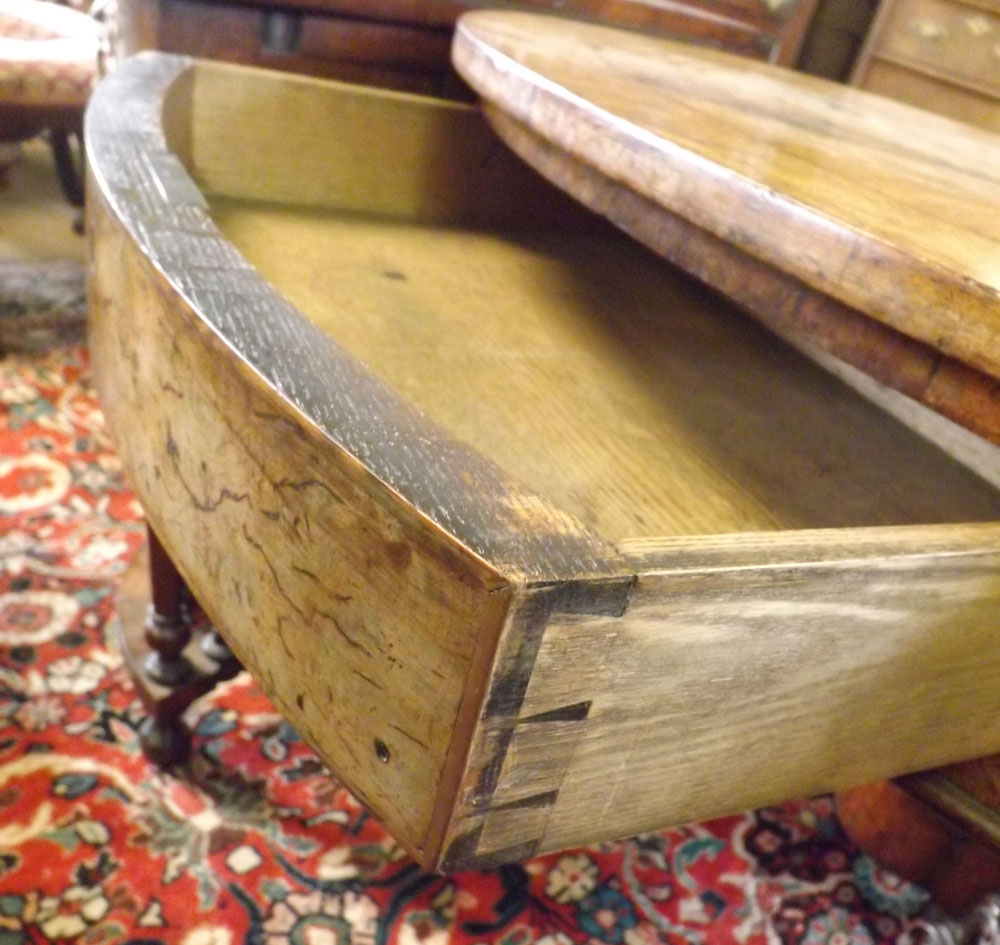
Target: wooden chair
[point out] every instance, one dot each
(49, 57)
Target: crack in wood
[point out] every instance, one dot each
(544, 799)
(368, 679)
(412, 738)
(202, 505)
(259, 548)
(307, 484)
(576, 712)
(306, 619)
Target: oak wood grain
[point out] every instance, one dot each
(307, 142)
(601, 378)
(290, 488)
(304, 577)
(746, 669)
(886, 209)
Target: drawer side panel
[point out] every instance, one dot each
(745, 670)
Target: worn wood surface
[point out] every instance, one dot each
(295, 493)
(963, 394)
(887, 210)
(431, 470)
(406, 589)
(601, 378)
(745, 669)
(295, 551)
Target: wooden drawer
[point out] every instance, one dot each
(511, 519)
(952, 40)
(942, 55)
(926, 91)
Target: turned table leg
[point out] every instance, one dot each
(173, 656)
(960, 869)
(167, 626)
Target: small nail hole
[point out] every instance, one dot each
(382, 751)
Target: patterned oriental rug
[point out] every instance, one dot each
(253, 841)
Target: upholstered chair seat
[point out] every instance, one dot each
(49, 56)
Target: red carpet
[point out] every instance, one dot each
(253, 841)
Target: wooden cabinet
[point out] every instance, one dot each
(943, 55)
(405, 45)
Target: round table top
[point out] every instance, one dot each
(890, 210)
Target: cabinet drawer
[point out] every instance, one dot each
(949, 39)
(925, 91)
(508, 516)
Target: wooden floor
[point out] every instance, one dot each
(35, 219)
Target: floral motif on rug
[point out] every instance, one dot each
(253, 841)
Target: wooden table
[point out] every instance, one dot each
(511, 518)
(867, 229)
(915, 207)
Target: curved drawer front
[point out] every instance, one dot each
(485, 496)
